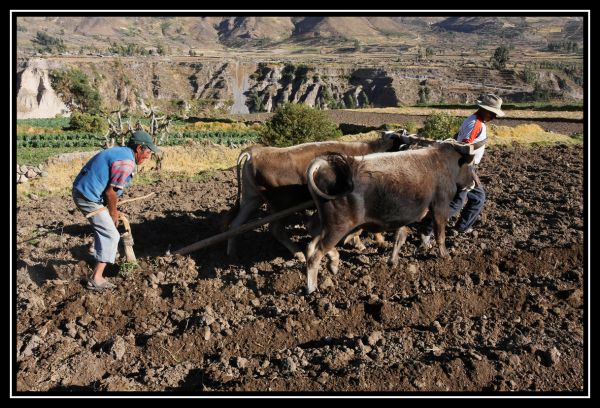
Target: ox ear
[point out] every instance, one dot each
(387, 134)
(466, 159)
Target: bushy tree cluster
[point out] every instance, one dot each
(441, 126)
(296, 123)
(76, 90)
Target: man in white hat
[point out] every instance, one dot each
(472, 130)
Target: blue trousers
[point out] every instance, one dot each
(471, 202)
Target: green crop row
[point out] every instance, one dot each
(220, 137)
(172, 139)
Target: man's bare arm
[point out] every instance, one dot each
(111, 202)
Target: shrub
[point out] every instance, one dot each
(87, 123)
(500, 58)
(295, 123)
(424, 93)
(255, 102)
(529, 75)
(350, 101)
(287, 74)
(410, 126)
(75, 87)
(441, 126)
(47, 43)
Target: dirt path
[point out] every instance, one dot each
(505, 313)
(375, 119)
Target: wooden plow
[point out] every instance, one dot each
(242, 228)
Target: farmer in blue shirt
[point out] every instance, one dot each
(100, 184)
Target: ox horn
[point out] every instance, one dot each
(414, 139)
(313, 168)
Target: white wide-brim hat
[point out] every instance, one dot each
(491, 103)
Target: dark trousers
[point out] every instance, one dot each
(474, 198)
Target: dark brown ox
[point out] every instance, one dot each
(385, 191)
(277, 176)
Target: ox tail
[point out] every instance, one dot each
(242, 159)
(232, 213)
(335, 172)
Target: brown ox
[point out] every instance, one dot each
(382, 192)
(277, 176)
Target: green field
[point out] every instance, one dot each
(39, 139)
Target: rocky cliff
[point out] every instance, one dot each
(236, 86)
(35, 96)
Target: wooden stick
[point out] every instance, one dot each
(127, 239)
(242, 228)
(99, 210)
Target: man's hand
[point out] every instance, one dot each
(115, 216)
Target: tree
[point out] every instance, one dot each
(500, 58)
(529, 75)
(424, 92)
(255, 102)
(47, 43)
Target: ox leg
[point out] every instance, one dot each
(313, 225)
(246, 209)
(315, 255)
(399, 240)
(278, 230)
(439, 224)
(334, 260)
(355, 239)
(319, 246)
(380, 240)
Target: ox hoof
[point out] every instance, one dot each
(310, 289)
(300, 256)
(333, 269)
(426, 242)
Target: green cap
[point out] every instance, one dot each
(143, 139)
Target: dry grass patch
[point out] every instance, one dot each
(34, 130)
(59, 180)
(215, 126)
(372, 135)
(197, 157)
(526, 134)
